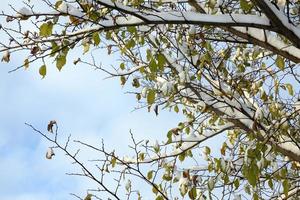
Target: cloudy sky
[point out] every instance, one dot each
(84, 105)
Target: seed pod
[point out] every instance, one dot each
(50, 153)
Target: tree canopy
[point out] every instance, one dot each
(230, 67)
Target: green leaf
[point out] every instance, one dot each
(283, 172)
(193, 193)
(280, 62)
(153, 66)
(290, 89)
(176, 109)
(60, 61)
(154, 190)
(226, 179)
(270, 183)
(108, 35)
(113, 161)
(161, 61)
(88, 197)
(96, 38)
(181, 157)
(245, 5)
(286, 187)
(264, 96)
(46, 29)
(167, 177)
(159, 198)
(187, 130)
(131, 29)
(253, 174)
(149, 55)
(255, 196)
(130, 44)
(54, 49)
(207, 150)
(236, 183)
(122, 66)
(169, 136)
(43, 71)
(151, 97)
(211, 184)
(150, 175)
(141, 156)
(26, 63)
(139, 196)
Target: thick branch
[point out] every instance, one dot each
(287, 51)
(290, 52)
(280, 21)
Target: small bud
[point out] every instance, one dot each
(76, 61)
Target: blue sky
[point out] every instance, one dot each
(83, 104)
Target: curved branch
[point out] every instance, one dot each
(280, 21)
